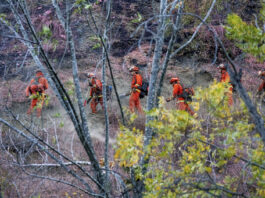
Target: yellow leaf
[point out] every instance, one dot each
(196, 106)
(208, 169)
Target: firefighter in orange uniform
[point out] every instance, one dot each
(226, 78)
(95, 94)
(177, 93)
(262, 85)
(37, 88)
(137, 80)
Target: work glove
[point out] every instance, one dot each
(85, 103)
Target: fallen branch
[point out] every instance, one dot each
(57, 165)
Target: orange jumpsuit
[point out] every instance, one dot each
(134, 101)
(35, 88)
(226, 78)
(262, 86)
(181, 104)
(96, 94)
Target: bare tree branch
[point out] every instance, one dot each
(65, 182)
(19, 38)
(85, 136)
(34, 140)
(57, 165)
(54, 150)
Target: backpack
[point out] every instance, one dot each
(187, 94)
(144, 89)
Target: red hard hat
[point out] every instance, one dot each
(134, 68)
(172, 80)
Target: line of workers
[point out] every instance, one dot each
(39, 84)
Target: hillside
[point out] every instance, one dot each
(27, 170)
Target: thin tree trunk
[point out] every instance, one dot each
(106, 159)
(151, 100)
(175, 26)
(84, 136)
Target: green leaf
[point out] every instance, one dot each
(138, 19)
(61, 125)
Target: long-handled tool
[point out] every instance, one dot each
(124, 95)
(87, 101)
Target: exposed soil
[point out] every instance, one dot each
(56, 127)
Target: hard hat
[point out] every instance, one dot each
(133, 68)
(38, 70)
(221, 66)
(90, 75)
(172, 80)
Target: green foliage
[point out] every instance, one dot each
(129, 146)
(69, 85)
(54, 141)
(82, 4)
(57, 115)
(96, 46)
(47, 37)
(38, 196)
(46, 32)
(61, 125)
(262, 12)
(247, 37)
(54, 44)
(47, 99)
(96, 42)
(201, 8)
(42, 99)
(2, 16)
(138, 19)
(186, 153)
(3, 19)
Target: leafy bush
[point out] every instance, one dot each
(192, 157)
(248, 37)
